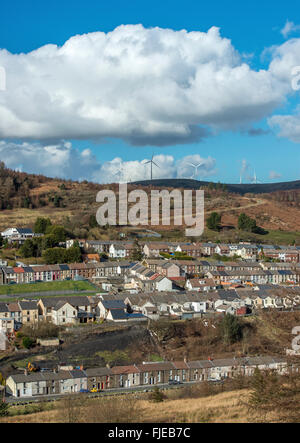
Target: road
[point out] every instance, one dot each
(106, 393)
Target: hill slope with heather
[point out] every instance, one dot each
(24, 197)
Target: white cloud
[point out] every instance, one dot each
(289, 126)
(289, 28)
(64, 161)
(167, 167)
(145, 86)
(274, 175)
(285, 66)
(56, 160)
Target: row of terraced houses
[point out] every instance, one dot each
(35, 273)
(69, 380)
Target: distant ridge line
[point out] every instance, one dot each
(240, 188)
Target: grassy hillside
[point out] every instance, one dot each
(221, 408)
(276, 207)
(268, 333)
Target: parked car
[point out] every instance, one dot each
(175, 382)
(95, 390)
(84, 391)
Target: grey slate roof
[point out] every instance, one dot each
(28, 305)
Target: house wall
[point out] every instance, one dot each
(66, 314)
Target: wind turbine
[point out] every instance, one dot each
(254, 180)
(152, 163)
(196, 168)
(119, 172)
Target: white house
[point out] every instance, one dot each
(117, 251)
(3, 341)
(7, 324)
(64, 313)
(162, 284)
(18, 235)
(196, 284)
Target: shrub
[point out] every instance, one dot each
(27, 342)
(3, 409)
(156, 396)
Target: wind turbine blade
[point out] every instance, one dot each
(156, 164)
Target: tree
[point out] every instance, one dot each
(156, 396)
(213, 221)
(93, 221)
(56, 200)
(73, 254)
(28, 248)
(49, 241)
(54, 255)
(27, 342)
(231, 329)
(32, 247)
(246, 223)
(59, 233)
(137, 254)
(26, 202)
(41, 225)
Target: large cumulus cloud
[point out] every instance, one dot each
(145, 86)
(285, 65)
(62, 160)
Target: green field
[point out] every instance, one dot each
(67, 285)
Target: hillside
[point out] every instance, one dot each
(24, 197)
(220, 408)
(241, 188)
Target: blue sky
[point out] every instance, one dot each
(252, 27)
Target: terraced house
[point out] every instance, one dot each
(144, 374)
(46, 273)
(29, 312)
(66, 310)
